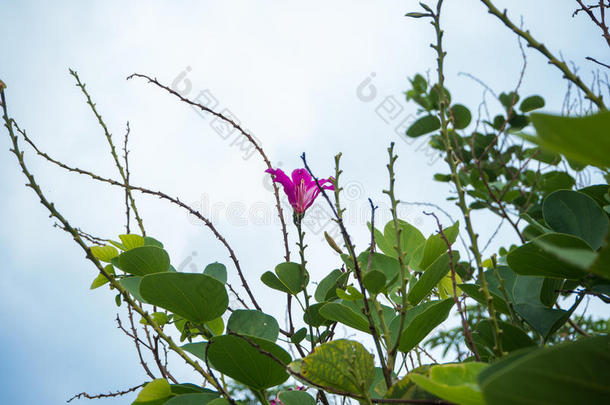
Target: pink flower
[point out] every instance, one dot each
(301, 189)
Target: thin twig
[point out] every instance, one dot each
(137, 341)
(127, 174)
(108, 395)
(601, 23)
(598, 62)
(540, 47)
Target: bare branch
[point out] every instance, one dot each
(108, 395)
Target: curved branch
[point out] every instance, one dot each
(235, 125)
(540, 47)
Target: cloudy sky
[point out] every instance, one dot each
(291, 72)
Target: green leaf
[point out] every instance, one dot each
(423, 126)
(270, 280)
(553, 181)
(144, 260)
(337, 312)
(461, 116)
(528, 305)
(444, 178)
(342, 364)
(155, 392)
(237, 358)
(420, 321)
(410, 239)
(601, 264)
(386, 246)
(132, 284)
(583, 139)
(431, 277)
(292, 276)
(325, 291)
(543, 319)
(389, 266)
(296, 398)
(101, 279)
(253, 323)
(374, 281)
(598, 192)
(535, 259)
(104, 253)
(378, 388)
(312, 316)
(299, 335)
(453, 382)
(419, 83)
(512, 338)
(219, 401)
(349, 294)
(576, 214)
(201, 398)
(149, 241)
(435, 246)
(405, 388)
(189, 388)
(131, 241)
(564, 374)
(196, 297)
(531, 103)
(196, 349)
(216, 326)
(474, 292)
(507, 100)
(417, 15)
(160, 318)
(217, 271)
(550, 291)
(116, 244)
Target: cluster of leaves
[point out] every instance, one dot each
(397, 291)
(404, 285)
(496, 167)
(523, 342)
(524, 292)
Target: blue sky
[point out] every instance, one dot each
(289, 72)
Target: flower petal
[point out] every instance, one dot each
(329, 186)
(281, 177)
(301, 174)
